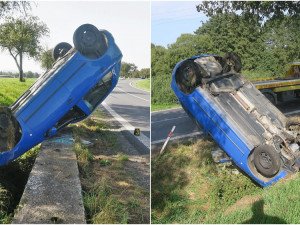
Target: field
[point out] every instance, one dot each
(142, 84)
(188, 187)
(13, 177)
(11, 89)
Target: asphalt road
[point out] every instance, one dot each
(163, 121)
(131, 107)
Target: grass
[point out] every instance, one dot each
(188, 187)
(110, 194)
(142, 84)
(164, 106)
(12, 88)
(14, 176)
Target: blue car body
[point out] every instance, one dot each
(67, 93)
(214, 107)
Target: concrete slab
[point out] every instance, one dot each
(53, 191)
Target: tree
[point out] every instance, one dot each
(127, 69)
(11, 6)
(145, 72)
(262, 10)
(21, 36)
(47, 59)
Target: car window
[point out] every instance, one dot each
(73, 114)
(98, 92)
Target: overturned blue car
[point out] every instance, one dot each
(247, 126)
(79, 80)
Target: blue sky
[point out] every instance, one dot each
(169, 19)
(128, 21)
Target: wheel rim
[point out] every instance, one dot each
(265, 160)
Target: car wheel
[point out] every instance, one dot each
(89, 41)
(232, 61)
(270, 97)
(189, 75)
(266, 160)
(61, 49)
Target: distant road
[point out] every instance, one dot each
(132, 108)
(163, 121)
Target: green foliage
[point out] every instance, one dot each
(11, 89)
(266, 49)
(105, 162)
(103, 207)
(263, 10)
(47, 59)
(122, 157)
(158, 107)
(127, 69)
(188, 187)
(130, 70)
(22, 36)
(227, 188)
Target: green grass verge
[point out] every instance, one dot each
(164, 106)
(110, 194)
(12, 88)
(14, 176)
(142, 84)
(188, 187)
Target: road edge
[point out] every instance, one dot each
(139, 142)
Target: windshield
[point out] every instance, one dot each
(98, 92)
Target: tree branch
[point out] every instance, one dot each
(15, 57)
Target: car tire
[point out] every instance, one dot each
(89, 41)
(267, 160)
(60, 50)
(232, 61)
(189, 75)
(270, 97)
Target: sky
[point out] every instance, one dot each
(172, 18)
(127, 21)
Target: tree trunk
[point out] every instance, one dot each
(21, 68)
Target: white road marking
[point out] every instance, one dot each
(133, 95)
(169, 119)
(142, 138)
(178, 137)
(137, 87)
(158, 111)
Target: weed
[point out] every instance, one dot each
(122, 157)
(103, 179)
(105, 162)
(102, 207)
